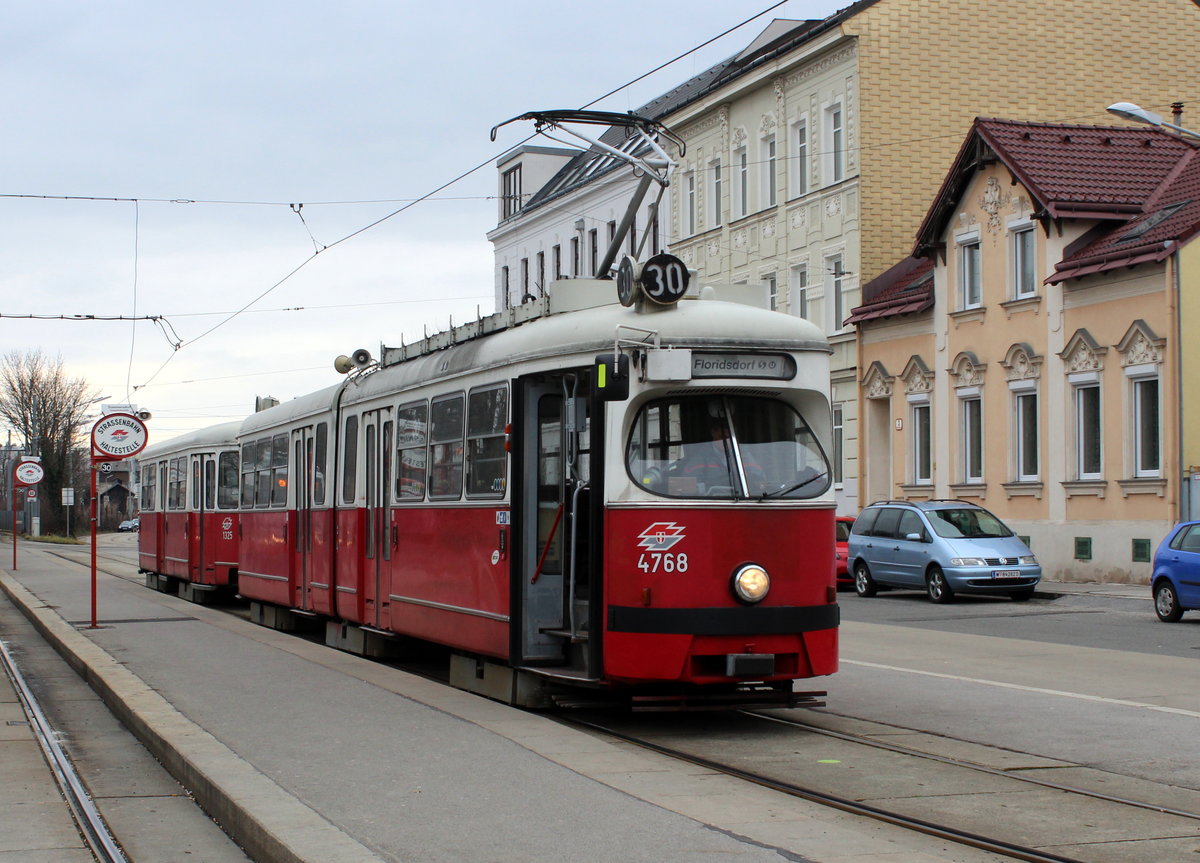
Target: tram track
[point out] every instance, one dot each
(91, 824)
(1011, 824)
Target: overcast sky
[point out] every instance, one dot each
(207, 121)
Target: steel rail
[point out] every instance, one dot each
(981, 768)
(962, 837)
(87, 817)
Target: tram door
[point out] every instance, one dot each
(307, 478)
(201, 546)
(553, 513)
(380, 535)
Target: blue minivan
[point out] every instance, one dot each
(943, 547)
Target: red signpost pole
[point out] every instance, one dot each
(93, 513)
(16, 488)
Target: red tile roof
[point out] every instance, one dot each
(906, 287)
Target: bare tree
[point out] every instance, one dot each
(49, 410)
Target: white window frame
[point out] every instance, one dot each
(798, 290)
(798, 159)
(772, 284)
(689, 203)
(741, 160)
(835, 289)
(1025, 400)
(920, 448)
(970, 410)
(1024, 284)
(838, 441)
(1084, 428)
(835, 144)
(769, 172)
(715, 205)
(1139, 378)
(970, 271)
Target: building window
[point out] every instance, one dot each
(835, 280)
(505, 286)
(969, 274)
(576, 262)
(541, 273)
(612, 231)
(1088, 433)
(798, 175)
(1024, 279)
(652, 222)
(557, 262)
(689, 203)
(594, 251)
(768, 172)
(510, 192)
(838, 443)
(799, 291)
(633, 236)
(772, 291)
(714, 206)
(972, 438)
(1147, 456)
(524, 278)
(835, 145)
(1026, 437)
(743, 182)
(921, 440)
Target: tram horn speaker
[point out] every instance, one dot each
(361, 358)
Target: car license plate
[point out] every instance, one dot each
(1005, 573)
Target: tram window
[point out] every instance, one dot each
(412, 436)
(249, 460)
(725, 447)
(318, 466)
(175, 484)
(446, 447)
(227, 480)
(350, 460)
(279, 470)
(487, 415)
(149, 487)
(262, 474)
(196, 488)
(210, 484)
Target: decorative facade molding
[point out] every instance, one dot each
(992, 201)
(767, 125)
(825, 64)
(1021, 363)
(740, 137)
(877, 383)
(1083, 353)
(967, 370)
(917, 377)
(1140, 346)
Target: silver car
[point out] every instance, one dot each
(944, 547)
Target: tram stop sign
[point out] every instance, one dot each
(118, 436)
(29, 473)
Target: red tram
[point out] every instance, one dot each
(187, 537)
(573, 493)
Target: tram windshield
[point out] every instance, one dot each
(725, 447)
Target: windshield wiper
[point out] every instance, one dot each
(781, 492)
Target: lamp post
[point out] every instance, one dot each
(1130, 111)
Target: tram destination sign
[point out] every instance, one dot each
(777, 367)
(118, 436)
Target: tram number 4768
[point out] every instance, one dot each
(657, 561)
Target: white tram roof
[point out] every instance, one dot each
(579, 319)
(201, 440)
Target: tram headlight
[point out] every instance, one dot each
(751, 583)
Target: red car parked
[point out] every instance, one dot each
(844, 578)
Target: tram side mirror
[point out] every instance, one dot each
(612, 377)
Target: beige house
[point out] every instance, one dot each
(811, 154)
(1027, 358)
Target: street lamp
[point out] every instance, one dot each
(1130, 111)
